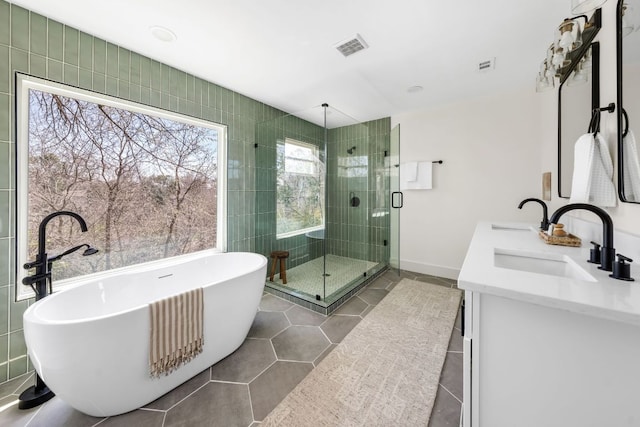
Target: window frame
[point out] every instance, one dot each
(316, 149)
(23, 84)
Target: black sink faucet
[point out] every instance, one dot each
(608, 252)
(544, 224)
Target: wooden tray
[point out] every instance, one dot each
(568, 240)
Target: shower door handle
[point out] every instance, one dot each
(400, 199)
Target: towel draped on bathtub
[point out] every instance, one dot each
(176, 334)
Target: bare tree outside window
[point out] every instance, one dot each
(300, 187)
(147, 185)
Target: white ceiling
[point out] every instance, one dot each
(281, 52)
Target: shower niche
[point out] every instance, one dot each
(322, 195)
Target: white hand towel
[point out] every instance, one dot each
(603, 191)
(583, 154)
(409, 171)
(424, 180)
(631, 170)
(592, 172)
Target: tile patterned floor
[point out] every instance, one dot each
(284, 344)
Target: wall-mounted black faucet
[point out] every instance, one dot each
(40, 393)
(607, 251)
(544, 224)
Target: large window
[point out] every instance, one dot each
(300, 192)
(148, 182)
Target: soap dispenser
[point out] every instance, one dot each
(622, 270)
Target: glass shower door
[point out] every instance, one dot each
(393, 167)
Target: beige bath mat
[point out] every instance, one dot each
(386, 371)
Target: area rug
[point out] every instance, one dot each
(386, 371)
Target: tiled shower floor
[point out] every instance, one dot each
(284, 344)
(308, 278)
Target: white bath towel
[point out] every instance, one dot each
(592, 172)
(176, 334)
(409, 171)
(631, 170)
(424, 178)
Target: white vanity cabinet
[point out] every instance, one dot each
(543, 352)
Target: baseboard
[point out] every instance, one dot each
(430, 269)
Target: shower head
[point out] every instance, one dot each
(351, 150)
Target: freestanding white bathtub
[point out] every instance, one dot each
(90, 343)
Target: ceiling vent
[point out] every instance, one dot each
(488, 65)
(352, 45)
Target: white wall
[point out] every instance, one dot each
(495, 151)
(491, 153)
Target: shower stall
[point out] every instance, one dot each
(322, 203)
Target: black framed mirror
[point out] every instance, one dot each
(628, 63)
(576, 101)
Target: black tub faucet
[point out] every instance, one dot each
(607, 251)
(544, 224)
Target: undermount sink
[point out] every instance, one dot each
(511, 227)
(551, 264)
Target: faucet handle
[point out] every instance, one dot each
(594, 254)
(622, 270)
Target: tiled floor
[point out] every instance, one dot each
(284, 344)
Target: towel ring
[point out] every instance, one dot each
(626, 123)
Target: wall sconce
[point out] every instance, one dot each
(572, 44)
(585, 6)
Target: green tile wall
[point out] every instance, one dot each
(39, 46)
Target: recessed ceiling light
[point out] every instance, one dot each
(162, 33)
(415, 89)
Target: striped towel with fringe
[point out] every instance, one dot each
(176, 334)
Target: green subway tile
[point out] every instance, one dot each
(173, 103)
(71, 74)
(16, 311)
(112, 60)
(55, 37)
(199, 93)
(191, 88)
(4, 270)
(4, 348)
(169, 80)
(134, 93)
(155, 99)
(145, 72)
(37, 65)
(5, 161)
(124, 61)
(99, 82)
(134, 69)
(12, 257)
(4, 373)
(111, 86)
(5, 74)
(4, 213)
(86, 51)
(19, 28)
(86, 79)
(17, 345)
(17, 367)
(182, 84)
(38, 40)
(99, 56)
(5, 29)
(19, 60)
(156, 76)
(165, 102)
(71, 42)
(145, 95)
(54, 70)
(123, 89)
(5, 118)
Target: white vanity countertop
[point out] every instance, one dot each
(605, 297)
